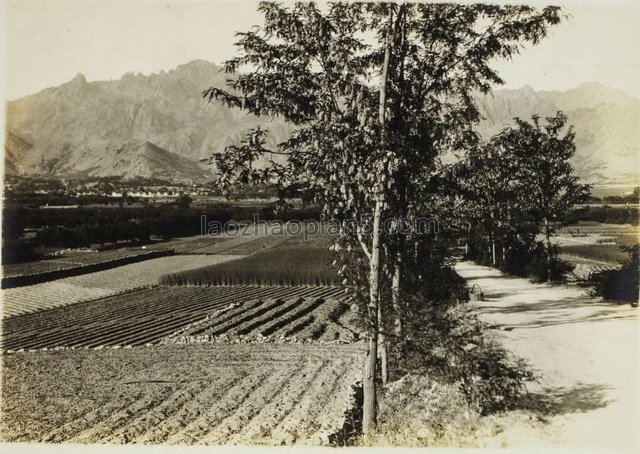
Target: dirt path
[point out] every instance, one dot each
(586, 351)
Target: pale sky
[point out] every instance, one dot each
(47, 42)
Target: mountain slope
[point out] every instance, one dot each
(75, 128)
(605, 120)
(132, 125)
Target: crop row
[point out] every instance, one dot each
(232, 394)
(229, 243)
(62, 292)
(310, 315)
(145, 316)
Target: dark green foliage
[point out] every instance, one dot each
(452, 345)
(436, 280)
(621, 284)
(282, 266)
(85, 226)
(603, 214)
(17, 251)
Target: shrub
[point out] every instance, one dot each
(536, 268)
(452, 345)
(621, 284)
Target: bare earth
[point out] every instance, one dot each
(586, 352)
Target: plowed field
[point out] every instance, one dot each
(196, 394)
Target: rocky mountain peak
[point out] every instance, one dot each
(161, 117)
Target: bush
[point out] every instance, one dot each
(17, 251)
(438, 281)
(536, 268)
(453, 346)
(621, 284)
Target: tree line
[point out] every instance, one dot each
(517, 188)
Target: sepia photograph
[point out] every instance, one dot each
(318, 226)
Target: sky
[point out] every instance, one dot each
(47, 42)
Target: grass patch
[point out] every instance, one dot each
(278, 266)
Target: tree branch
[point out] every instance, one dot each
(364, 246)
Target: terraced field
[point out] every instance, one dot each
(40, 266)
(176, 314)
(197, 394)
(72, 259)
(86, 287)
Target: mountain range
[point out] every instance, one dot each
(158, 126)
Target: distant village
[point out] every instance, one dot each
(66, 193)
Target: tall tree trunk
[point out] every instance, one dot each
(369, 410)
(396, 296)
(382, 347)
(547, 236)
(493, 249)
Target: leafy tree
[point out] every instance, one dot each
(545, 173)
(373, 115)
(491, 189)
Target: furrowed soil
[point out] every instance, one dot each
(195, 394)
(62, 292)
(586, 353)
(186, 315)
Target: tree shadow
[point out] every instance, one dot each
(556, 312)
(555, 401)
(498, 295)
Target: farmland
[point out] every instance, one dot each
(263, 352)
(178, 314)
(70, 259)
(594, 247)
(595, 253)
(277, 266)
(196, 394)
(86, 287)
(74, 264)
(254, 240)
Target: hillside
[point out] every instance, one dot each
(126, 127)
(158, 126)
(605, 120)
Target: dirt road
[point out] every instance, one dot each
(586, 352)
